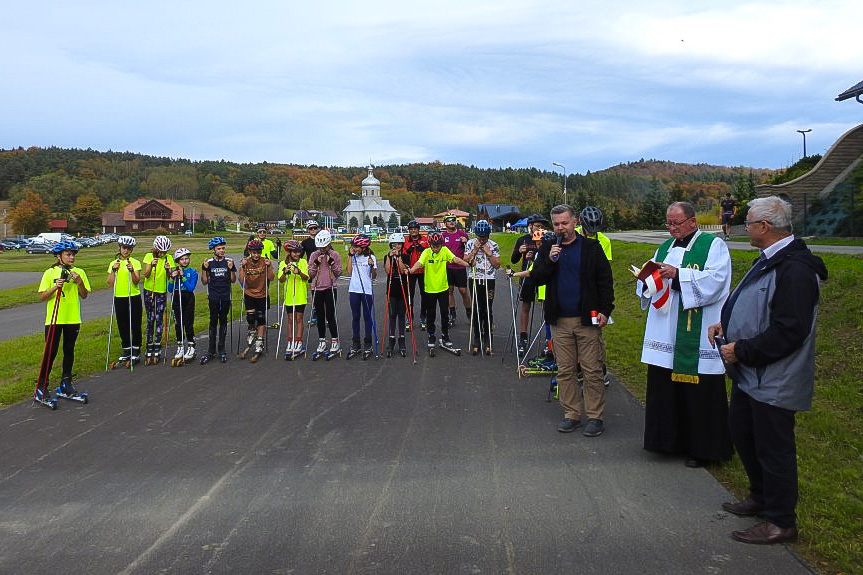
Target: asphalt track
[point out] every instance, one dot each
(452, 465)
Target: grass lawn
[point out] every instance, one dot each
(829, 437)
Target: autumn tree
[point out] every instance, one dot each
(30, 216)
(88, 212)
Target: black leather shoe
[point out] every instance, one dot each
(568, 425)
(745, 508)
(766, 533)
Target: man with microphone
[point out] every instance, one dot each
(579, 298)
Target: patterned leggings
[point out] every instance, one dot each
(154, 304)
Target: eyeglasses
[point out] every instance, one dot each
(677, 224)
(747, 223)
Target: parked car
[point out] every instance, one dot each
(9, 245)
(40, 248)
(188, 233)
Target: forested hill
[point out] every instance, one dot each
(632, 195)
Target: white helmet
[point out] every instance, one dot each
(323, 239)
(397, 238)
(181, 252)
(126, 241)
(162, 243)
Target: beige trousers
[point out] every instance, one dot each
(576, 344)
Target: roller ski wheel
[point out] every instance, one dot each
(474, 350)
(335, 351)
(122, 361)
(177, 360)
(299, 353)
(320, 352)
(259, 351)
(75, 396)
(448, 346)
(274, 325)
(44, 399)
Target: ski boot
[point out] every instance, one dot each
(68, 391)
(335, 349)
(321, 351)
(43, 397)
(355, 349)
(431, 344)
(190, 353)
(157, 355)
(422, 325)
(136, 356)
(258, 351)
(250, 341)
(407, 325)
(206, 357)
(299, 349)
(452, 316)
(446, 344)
(403, 351)
(223, 357)
(391, 347)
(289, 351)
(124, 360)
(522, 346)
(177, 360)
(368, 350)
(148, 356)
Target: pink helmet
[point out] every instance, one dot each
(361, 241)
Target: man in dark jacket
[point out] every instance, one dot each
(769, 324)
(579, 297)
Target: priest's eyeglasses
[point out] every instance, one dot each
(677, 224)
(747, 223)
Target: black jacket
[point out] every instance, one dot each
(597, 282)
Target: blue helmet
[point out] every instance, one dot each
(482, 228)
(216, 241)
(61, 247)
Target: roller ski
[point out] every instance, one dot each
(446, 344)
(299, 350)
(355, 350)
(335, 350)
(258, 351)
(250, 342)
(431, 345)
(321, 351)
(124, 360)
(43, 397)
(205, 359)
(67, 391)
(177, 360)
(368, 351)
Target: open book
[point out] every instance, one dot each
(645, 271)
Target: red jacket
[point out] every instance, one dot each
(413, 249)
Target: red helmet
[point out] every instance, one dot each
(255, 245)
(293, 245)
(435, 239)
(361, 241)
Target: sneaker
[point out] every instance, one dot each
(594, 428)
(568, 425)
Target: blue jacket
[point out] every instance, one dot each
(190, 280)
(770, 316)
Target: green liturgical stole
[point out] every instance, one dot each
(688, 339)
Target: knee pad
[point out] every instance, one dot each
(251, 316)
(259, 318)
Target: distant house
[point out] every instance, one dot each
(430, 222)
(325, 218)
(58, 226)
(460, 216)
(498, 215)
(113, 223)
(144, 214)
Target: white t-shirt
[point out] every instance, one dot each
(361, 274)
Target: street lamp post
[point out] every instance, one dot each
(564, 178)
(193, 218)
(803, 133)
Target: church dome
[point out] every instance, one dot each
(371, 180)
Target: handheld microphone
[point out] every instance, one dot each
(558, 239)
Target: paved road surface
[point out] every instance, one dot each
(17, 279)
(449, 466)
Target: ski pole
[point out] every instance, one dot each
(389, 314)
(472, 308)
(410, 312)
(313, 290)
(281, 314)
(367, 307)
(294, 313)
(488, 303)
(111, 322)
(131, 341)
(179, 287)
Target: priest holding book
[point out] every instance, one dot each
(683, 289)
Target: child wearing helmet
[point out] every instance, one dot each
(218, 273)
(455, 238)
(157, 265)
(483, 254)
(63, 286)
(362, 269)
(433, 262)
(590, 221)
(294, 273)
(312, 228)
(414, 246)
(182, 287)
(325, 268)
(256, 273)
(525, 250)
(124, 275)
(396, 265)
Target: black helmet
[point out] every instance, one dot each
(591, 219)
(413, 224)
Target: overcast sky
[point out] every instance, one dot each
(491, 83)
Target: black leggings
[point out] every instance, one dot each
(121, 310)
(413, 280)
(219, 310)
(325, 309)
(187, 301)
(441, 300)
(482, 310)
(69, 332)
(397, 311)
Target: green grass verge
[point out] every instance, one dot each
(829, 437)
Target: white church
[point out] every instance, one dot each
(370, 204)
